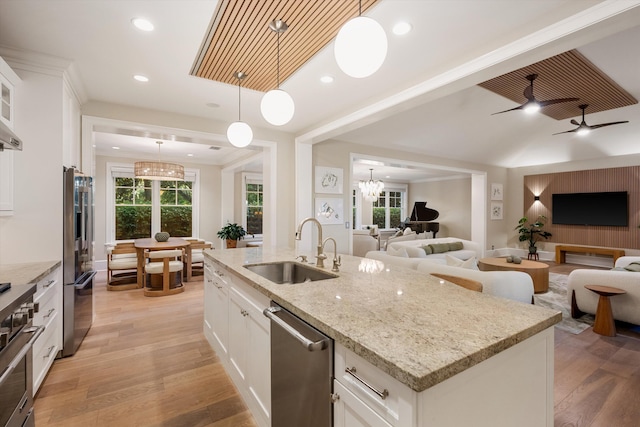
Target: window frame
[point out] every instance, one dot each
(255, 178)
(398, 188)
(125, 170)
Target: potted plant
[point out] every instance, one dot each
(232, 233)
(532, 232)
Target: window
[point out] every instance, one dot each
(140, 208)
(253, 197)
(389, 209)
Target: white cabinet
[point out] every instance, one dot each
(71, 129)
(240, 334)
(216, 310)
(7, 101)
(349, 411)
(49, 298)
(6, 183)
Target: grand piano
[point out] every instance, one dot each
(422, 219)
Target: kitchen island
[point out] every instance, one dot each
(435, 345)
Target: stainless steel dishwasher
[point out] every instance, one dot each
(301, 372)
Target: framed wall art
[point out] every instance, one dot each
(329, 210)
(496, 210)
(328, 180)
(496, 191)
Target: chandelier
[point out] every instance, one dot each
(160, 171)
(371, 189)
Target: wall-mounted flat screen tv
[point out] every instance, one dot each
(608, 208)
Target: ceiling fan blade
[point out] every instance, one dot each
(511, 109)
(528, 93)
(556, 101)
(567, 131)
(573, 122)
(601, 125)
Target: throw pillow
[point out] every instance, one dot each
(407, 231)
(634, 266)
(455, 246)
(470, 264)
(427, 249)
(439, 248)
(402, 252)
(416, 253)
(398, 233)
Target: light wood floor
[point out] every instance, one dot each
(145, 362)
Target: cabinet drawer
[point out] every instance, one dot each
(350, 411)
(44, 352)
(49, 281)
(48, 306)
(394, 398)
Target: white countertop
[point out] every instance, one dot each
(406, 323)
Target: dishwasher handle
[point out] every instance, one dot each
(306, 343)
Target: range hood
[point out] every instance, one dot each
(8, 139)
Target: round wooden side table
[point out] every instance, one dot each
(604, 323)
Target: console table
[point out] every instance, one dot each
(561, 251)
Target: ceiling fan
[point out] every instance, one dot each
(583, 128)
(532, 105)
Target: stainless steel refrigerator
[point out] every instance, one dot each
(77, 264)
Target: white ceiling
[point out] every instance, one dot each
(105, 51)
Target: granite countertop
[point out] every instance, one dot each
(406, 323)
(23, 278)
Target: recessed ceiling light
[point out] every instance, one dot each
(189, 155)
(401, 28)
(116, 148)
(388, 176)
(142, 24)
(212, 105)
(141, 78)
(326, 79)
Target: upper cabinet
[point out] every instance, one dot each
(8, 80)
(71, 149)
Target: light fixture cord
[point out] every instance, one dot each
(239, 83)
(360, 8)
(278, 66)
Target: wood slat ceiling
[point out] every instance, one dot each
(568, 75)
(239, 38)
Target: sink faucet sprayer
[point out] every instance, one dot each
(336, 258)
(321, 256)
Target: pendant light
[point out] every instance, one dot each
(239, 133)
(160, 171)
(371, 189)
(277, 106)
(360, 46)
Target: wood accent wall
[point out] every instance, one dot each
(587, 181)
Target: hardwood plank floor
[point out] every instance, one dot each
(145, 362)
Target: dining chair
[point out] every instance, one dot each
(197, 255)
(122, 265)
(163, 272)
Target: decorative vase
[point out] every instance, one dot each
(231, 243)
(162, 236)
(533, 249)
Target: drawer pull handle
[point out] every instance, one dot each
(219, 273)
(51, 310)
(219, 287)
(49, 283)
(382, 394)
(49, 352)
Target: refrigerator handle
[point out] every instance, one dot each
(85, 282)
(307, 343)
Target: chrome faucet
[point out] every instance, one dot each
(321, 256)
(336, 258)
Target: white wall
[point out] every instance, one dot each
(34, 232)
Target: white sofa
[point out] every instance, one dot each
(413, 248)
(513, 285)
(625, 307)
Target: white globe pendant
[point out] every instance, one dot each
(277, 107)
(360, 47)
(239, 134)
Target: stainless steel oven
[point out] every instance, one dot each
(17, 336)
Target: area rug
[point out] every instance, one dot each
(556, 299)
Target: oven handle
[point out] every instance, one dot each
(36, 331)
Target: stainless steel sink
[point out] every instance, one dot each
(289, 272)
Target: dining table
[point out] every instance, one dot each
(153, 245)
